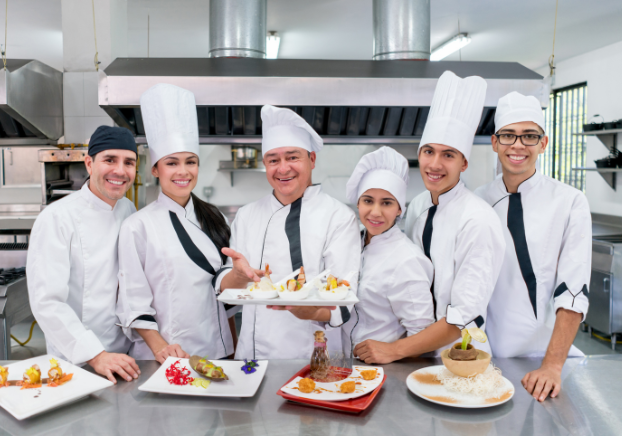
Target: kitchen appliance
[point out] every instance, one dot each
(14, 302)
(62, 173)
(605, 296)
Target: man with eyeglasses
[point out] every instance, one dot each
(541, 295)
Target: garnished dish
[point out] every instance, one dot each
(333, 289)
(32, 378)
(466, 378)
(295, 288)
(207, 369)
(264, 288)
(353, 386)
(56, 375)
(4, 376)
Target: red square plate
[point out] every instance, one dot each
(356, 405)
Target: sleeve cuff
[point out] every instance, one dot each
(86, 348)
(454, 317)
(565, 299)
(217, 279)
(339, 316)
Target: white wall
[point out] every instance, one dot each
(602, 70)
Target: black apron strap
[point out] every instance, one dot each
(292, 230)
(516, 226)
(191, 250)
(427, 241)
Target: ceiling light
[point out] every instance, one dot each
(273, 40)
(449, 47)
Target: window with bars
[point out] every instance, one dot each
(565, 116)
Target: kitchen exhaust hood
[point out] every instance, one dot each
(346, 102)
(31, 103)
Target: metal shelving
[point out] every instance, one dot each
(610, 139)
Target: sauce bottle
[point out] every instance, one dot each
(320, 361)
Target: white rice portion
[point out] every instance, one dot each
(484, 384)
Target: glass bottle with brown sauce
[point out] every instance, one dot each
(320, 362)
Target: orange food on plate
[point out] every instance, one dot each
(306, 385)
(369, 374)
(347, 387)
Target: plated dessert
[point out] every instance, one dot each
(466, 378)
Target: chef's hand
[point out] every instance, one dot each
(107, 364)
(172, 350)
(311, 313)
(542, 381)
(242, 273)
(371, 351)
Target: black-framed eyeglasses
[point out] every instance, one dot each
(528, 139)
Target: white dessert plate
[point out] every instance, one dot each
(239, 384)
(330, 391)
(241, 297)
(423, 384)
(24, 403)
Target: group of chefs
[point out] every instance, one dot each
(109, 285)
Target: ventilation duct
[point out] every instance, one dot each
(237, 28)
(401, 30)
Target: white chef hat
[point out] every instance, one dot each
(516, 108)
(170, 119)
(455, 113)
(384, 169)
(285, 128)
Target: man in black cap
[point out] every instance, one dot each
(73, 263)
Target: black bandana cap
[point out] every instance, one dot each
(112, 138)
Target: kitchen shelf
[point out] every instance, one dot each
(610, 139)
(226, 167)
(608, 174)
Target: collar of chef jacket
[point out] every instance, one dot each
(185, 212)
(310, 192)
(93, 200)
(379, 239)
(445, 197)
(501, 192)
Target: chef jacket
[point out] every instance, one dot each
(315, 231)
(168, 268)
(393, 292)
(72, 275)
(548, 258)
(464, 240)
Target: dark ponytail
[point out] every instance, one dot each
(213, 224)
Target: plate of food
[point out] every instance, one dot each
(323, 290)
(467, 378)
(36, 385)
(199, 376)
(362, 381)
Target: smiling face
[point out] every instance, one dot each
(289, 172)
(378, 210)
(518, 159)
(178, 173)
(440, 167)
(112, 174)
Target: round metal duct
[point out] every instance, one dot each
(237, 28)
(401, 29)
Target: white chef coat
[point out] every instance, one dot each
(72, 275)
(466, 250)
(326, 235)
(394, 294)
(558, 232)
(160, 283)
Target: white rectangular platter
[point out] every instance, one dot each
(239, 384)
(24, 403)
(233, 296)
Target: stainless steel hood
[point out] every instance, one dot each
(347, 102)
(31, 103)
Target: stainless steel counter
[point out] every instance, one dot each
(589, 404)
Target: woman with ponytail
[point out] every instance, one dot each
(173, 254)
